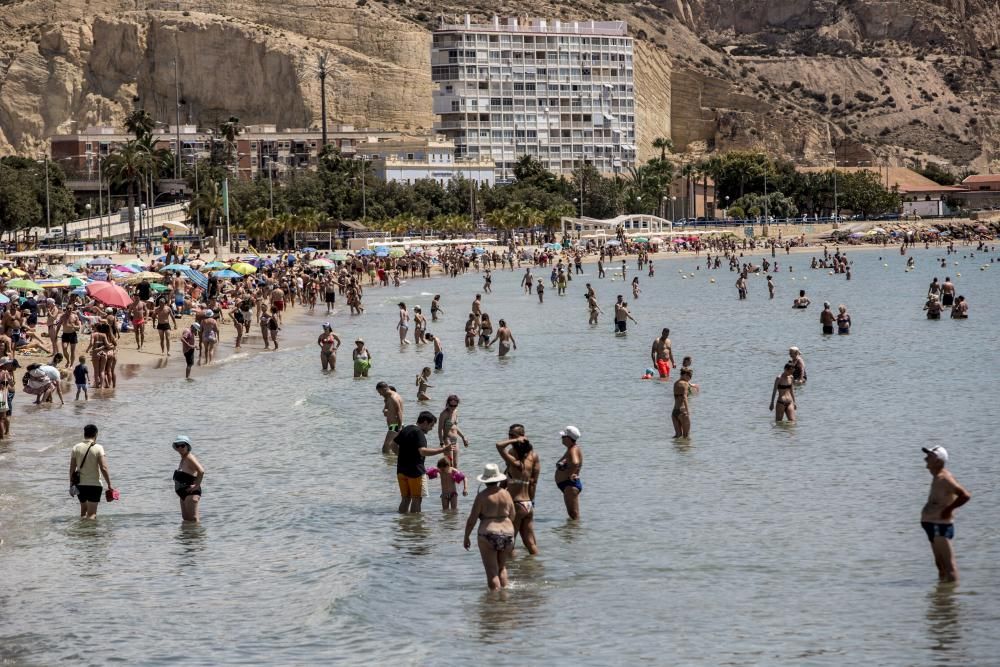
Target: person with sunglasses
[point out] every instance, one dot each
(187, 479)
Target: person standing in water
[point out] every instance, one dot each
(187, 479)
(448, 430)
(568, 471)
(681, 415)
(362, 359)
(622, 315)
(505, 337)
(494, 510)
(799, 364)
(523, 468)
(438, 350)
(410, 470)
(936, 518)
(843, 320)
(393, 412)
(663, 353)
(87, 464)
(783, 388)
(947, 293)
(328, 343)
(770, 287)
(404, 324)
(827, 319)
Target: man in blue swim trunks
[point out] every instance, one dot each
(946, 495)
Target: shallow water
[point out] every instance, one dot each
(750, 544)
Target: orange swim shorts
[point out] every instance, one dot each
(409, 487)
(663, 367)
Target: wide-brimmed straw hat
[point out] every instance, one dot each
(491, 474)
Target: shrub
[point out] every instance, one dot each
(863, 96)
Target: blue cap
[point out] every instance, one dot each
(182, 440)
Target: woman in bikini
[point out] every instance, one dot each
(6, 383)
(784, 407)
(328, 343)
(493, 509)
(568, 471)
(448, 431)
(470, 330)
(485, 330)
(404, 324)
(681, 416)
(523, 467)
(843, 320)
(98, 350)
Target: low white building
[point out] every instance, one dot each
(409, 159)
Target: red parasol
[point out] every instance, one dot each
(109, 294)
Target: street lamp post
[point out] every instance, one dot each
(673, 200)
(48, 210)
(663, 206)
(88, 207)
(177, 120)
(725, 208)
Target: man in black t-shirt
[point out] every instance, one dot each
(412, 444)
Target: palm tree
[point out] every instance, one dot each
(688, 171)
(126, 166)
(552, 217)
(229, 131)
(210, 204)
(260, 226)
(497, 219)
(664, 145)
(140, 123)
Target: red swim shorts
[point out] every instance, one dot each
(280, 305)
(663, 367)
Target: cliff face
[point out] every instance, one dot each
(878, 78)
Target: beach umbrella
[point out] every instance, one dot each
(109, 294)
(365, 252)
(381, 253)
(982, 229)
(856, 235)
(125, 269)
(17, 272)
(226, 274)
(23, 284)
(175, 267)
(196, 263)
(339, 256)
(397, 252)
(946, 233)
(322, 262)
(878, 230)
(381, 248)
(553, 246)
(4, 299)
(157, 287)
(478, 250)
(175, 226)
(613, 243)
(149, 276)
(216, 265)
(308, 250)
(100, 261)
(243, 268)
(641, 239)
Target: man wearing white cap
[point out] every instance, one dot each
(568, 471)
(945, 497)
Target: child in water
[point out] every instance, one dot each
(450, 478)
(692, 387)
(422, 385)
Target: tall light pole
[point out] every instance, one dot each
(673, 200)
(322, 94)
(48, 209)
(835, 207)
(177, 120)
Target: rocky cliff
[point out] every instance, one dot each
(875, 79)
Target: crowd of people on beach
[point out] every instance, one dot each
(256, 301)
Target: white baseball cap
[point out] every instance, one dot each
(940, 453)
(571, 432)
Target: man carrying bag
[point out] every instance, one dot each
(87, 463)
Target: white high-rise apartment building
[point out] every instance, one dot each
(558, 90)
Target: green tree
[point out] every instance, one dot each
(664, 145)
(260, 226)
(140, 123)
(126, 166)
(209, 203)
(19, 205)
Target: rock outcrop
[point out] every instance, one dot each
(896, 80)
